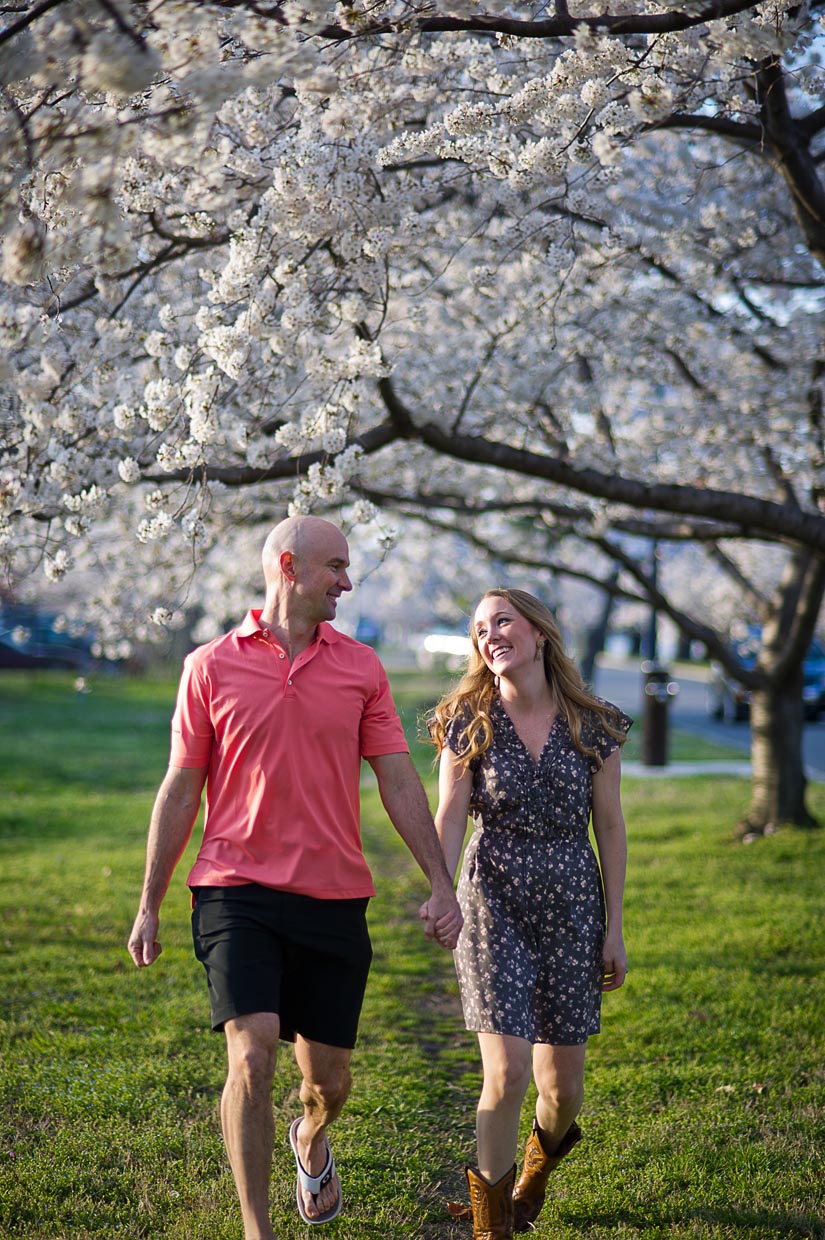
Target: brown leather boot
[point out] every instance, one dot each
(529, 1192)
(491, 1204)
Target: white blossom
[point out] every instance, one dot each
(128, 469)
(56, 566)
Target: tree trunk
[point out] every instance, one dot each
(779, 783)
(597, 635)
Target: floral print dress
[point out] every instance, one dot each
(529, 958)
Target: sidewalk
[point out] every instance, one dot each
(678, 769)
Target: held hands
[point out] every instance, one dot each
(143, 944)
(442, 919)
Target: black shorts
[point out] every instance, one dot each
(274, 951)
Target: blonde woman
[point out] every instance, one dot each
(531, 755)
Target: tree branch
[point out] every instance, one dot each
(788, 143)
(290, 467)
(686, 624)
(752, 516)
(733, 571)
(739, 131)
(551, 28)
(513, 555)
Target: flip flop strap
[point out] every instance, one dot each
(314, 1183)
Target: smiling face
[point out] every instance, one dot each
(320, 572)
(506, 640)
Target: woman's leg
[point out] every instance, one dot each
(506, 1065)
(559, 1077)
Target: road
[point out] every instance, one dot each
(622, 683)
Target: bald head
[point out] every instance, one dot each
(299, 536)
(305, 561)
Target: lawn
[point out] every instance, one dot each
(705, 1114)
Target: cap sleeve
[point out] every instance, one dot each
(596, 736)
(454, 734)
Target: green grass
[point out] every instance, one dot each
(705, 1114)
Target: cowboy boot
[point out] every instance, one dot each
(491, 1204)
(529, 1192)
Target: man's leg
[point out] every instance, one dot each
(246, 1115)
(324, 1090)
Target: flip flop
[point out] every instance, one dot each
(314, 1183)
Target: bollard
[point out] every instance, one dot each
(659, 692)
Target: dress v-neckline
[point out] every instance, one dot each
(536, 762)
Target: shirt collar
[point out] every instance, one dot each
(251, 625)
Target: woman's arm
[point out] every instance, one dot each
(455, 785)
(611, 842)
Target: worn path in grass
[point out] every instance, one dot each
(706, 1089)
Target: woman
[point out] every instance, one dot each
(530, 754)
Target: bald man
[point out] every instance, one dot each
(275, 718)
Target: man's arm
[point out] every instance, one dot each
(173, 817)
(405, 801)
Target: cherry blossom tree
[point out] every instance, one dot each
(262, 256)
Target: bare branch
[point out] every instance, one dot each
(732, 570)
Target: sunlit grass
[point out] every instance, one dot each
(705, 1114)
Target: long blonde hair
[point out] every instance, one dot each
(474, 694)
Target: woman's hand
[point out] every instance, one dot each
(614, 963)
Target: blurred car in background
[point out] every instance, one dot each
(368, 631)
(729, 701)
(31, 638)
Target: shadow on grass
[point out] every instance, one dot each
(736, 1222)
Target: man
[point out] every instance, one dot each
(274, 718)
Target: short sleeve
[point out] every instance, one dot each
(454, 738)
(452, 734)
(192, 730)
(381, 731)
(596, 736)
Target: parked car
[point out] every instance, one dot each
(368, 631)
(730, 701)
(31, 638)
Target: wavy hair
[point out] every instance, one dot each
(474, 694)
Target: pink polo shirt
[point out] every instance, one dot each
(284, 745)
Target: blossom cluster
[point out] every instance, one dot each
(236, 252)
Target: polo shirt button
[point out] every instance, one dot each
(265, 632)
(281, 656)
(289, 682)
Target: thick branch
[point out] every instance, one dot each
(788, 635)
(739, 131)
(554, 27)
(788, 143)
(752, 516)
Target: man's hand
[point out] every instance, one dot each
(143, 945)
(442, 919)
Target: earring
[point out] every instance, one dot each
(540, 649)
